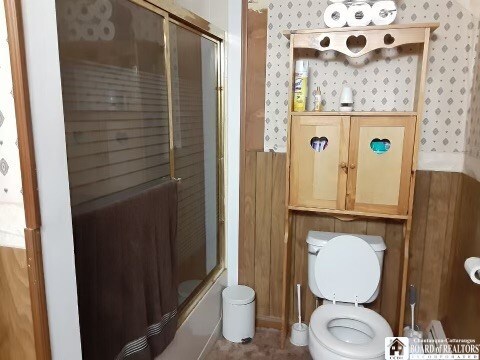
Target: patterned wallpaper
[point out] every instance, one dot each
(473, 124)
(11, 199)
(382, 80)
(472, 163)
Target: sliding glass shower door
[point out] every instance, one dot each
(194, 69)
(142, 105)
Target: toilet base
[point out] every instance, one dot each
(319, 352)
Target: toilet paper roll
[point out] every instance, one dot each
(384, 12)
(74, 31)
(335, 15)
(103, 9)
(70, 11)
(84, 12)
(90, 32)
(106, 30)
(472, 265)
(359, 15)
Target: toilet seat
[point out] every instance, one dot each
(325, 314)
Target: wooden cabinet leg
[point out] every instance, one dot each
(404, 285)
(286, 281)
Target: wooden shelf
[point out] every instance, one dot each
(347, 213)
(374, 37)
(354, 113)
(431, 26)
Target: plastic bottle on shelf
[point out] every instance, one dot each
(300, 89)
(317, 102)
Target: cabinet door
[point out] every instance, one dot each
(381, 150)
(319, 157)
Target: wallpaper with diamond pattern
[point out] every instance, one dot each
(472, 161)
(12, 218)
(473, 124)
(382, 80)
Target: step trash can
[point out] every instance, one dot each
(238, 313)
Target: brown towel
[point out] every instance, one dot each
(126, 267)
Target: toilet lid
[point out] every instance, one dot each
(347, 270)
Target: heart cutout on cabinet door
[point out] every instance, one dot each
(380, 146)
(319, 143)
(356, 43)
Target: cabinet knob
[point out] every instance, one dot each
(352, 166)
(343, 165)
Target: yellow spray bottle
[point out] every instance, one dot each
(300, 88)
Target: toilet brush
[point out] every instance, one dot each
(299, 302)
(413, 300)
(411, 332)
(299, 334)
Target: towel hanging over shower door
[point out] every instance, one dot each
(126, 265)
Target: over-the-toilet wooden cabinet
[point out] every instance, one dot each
(357, 163)
(353, 165)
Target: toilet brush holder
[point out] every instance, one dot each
(415, 333)
(299, 334)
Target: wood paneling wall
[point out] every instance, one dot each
(462, 308)
(261, 253)
(439, 200)
(254, 76)
(434, 213)
(16, 329)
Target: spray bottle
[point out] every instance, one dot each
(301, 85)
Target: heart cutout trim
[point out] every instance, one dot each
(388, 39)
(356, 43)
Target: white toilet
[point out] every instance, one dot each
(345, 271)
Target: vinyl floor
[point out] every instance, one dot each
(265, 345)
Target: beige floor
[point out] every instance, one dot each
(265, 345)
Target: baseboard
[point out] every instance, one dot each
(269, 322)
(217, 333)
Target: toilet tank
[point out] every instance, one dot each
(317, 239)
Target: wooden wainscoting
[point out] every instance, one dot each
(255, 63)
(16, 329)
(434, 216)
(462, 309)
(261, 249)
